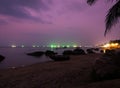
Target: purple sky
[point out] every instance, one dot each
(44, 21)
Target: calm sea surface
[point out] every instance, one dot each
(16, 57)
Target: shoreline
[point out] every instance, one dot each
(75, 73)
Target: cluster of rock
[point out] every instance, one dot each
(79, 51)
(65, 55)
(36, 54)
(1, 58)
(107, 66)
(51, 54)
(76, 51)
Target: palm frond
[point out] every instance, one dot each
(90, 2)
(112, 16)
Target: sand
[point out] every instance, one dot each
(75, 73)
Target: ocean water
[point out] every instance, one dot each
(16, 57)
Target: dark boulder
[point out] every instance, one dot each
(90, 51)
(96, 49)
(36, 54)
(110, 52)
(101, 51)
(1, 58)
(78, 51)
(50, 53)
(106, 68)
(60, 57)
(68, 52)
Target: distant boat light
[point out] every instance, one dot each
(37, 46)
(68, 46)
(22, 46)
(13, 46)
(33, 46)
(74, 46)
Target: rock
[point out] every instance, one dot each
(96, 49)
(90, 51)
(60, 57)
(78, 51)
(110, 52)
(68, 52)
(1, 58)
(50, 53)
(36, 54)
(101, 51)
(116, 58)
(105, 68)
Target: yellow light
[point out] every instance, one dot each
(112, 44)
(74, 46)
(104, 51)
(116, 44)
(106, 45)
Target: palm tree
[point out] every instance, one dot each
(112, 16)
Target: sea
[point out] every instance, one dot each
(17, 57)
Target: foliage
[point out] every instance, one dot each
(112, 15)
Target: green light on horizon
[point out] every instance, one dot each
(53, 46)
(68, 46)
(62, 45)
(58, 46)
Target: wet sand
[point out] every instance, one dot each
(75, 73)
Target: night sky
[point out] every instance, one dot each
(41, 22)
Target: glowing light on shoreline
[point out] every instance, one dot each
(68, 46)
(74, 46)
(22, 46)
(80, 46)
(53, 46)
(33, 46)
(58, 46)
(13, 46)
(106, 45)
(62, 45)
(111, 46)
(37, 46)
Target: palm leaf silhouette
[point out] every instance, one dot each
(113, 14)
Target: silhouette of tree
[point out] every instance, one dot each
(112, 16)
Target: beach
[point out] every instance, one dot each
(74, 73)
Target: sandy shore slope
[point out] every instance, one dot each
(74, 73)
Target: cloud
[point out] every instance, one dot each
(16, 8)
(2, 22)
(39, 10)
